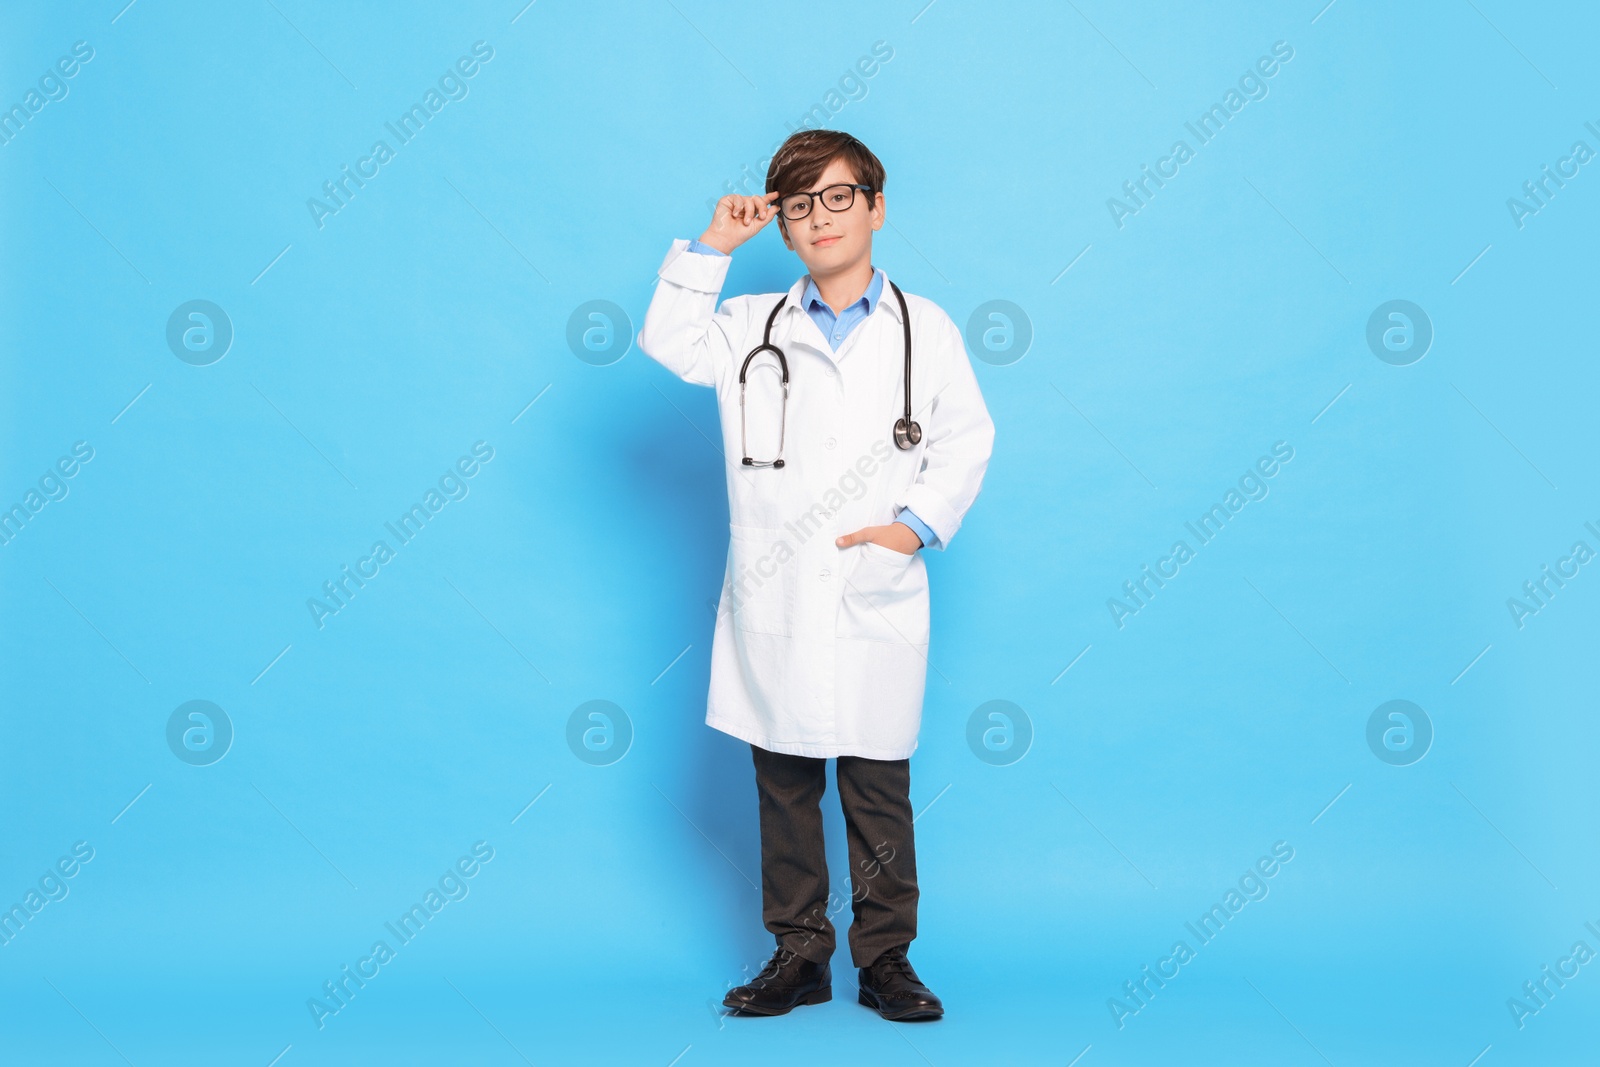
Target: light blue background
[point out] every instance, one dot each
(1228, 314)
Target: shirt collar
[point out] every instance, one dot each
(874, 290)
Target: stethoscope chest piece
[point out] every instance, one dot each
(907, 433)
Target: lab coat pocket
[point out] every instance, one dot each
(761, 565)
(887, 597)
(888, 555)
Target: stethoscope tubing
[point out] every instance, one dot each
(906, 431)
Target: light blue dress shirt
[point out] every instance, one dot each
(837, 327)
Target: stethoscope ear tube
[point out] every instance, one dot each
(766, 345)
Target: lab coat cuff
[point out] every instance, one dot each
(933, 510)
(701, 273)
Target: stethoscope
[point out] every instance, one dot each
(907, 433)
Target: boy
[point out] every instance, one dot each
(820, 647)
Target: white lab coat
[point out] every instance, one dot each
(820, 650)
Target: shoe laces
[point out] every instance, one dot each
(774, 966)
(894, 960)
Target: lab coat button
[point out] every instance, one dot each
(824, 574)
(830, 442)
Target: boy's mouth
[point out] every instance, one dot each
(824, 242)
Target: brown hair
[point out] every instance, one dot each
(800, 161)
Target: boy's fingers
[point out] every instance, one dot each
(742, 215)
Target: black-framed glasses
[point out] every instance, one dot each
(841, 197)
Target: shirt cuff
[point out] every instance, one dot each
(702, 247)
(918, 527)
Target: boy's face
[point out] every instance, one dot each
(828, 242)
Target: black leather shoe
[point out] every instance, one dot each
(787, 980)
(893, 989)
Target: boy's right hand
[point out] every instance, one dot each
(739, 218)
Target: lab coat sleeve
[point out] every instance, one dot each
(682, 330)
(958, 438)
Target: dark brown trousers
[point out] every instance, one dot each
(796, 903)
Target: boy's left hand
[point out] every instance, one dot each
(896, 536)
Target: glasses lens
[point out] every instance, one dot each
(795, 207)
(839, 197)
